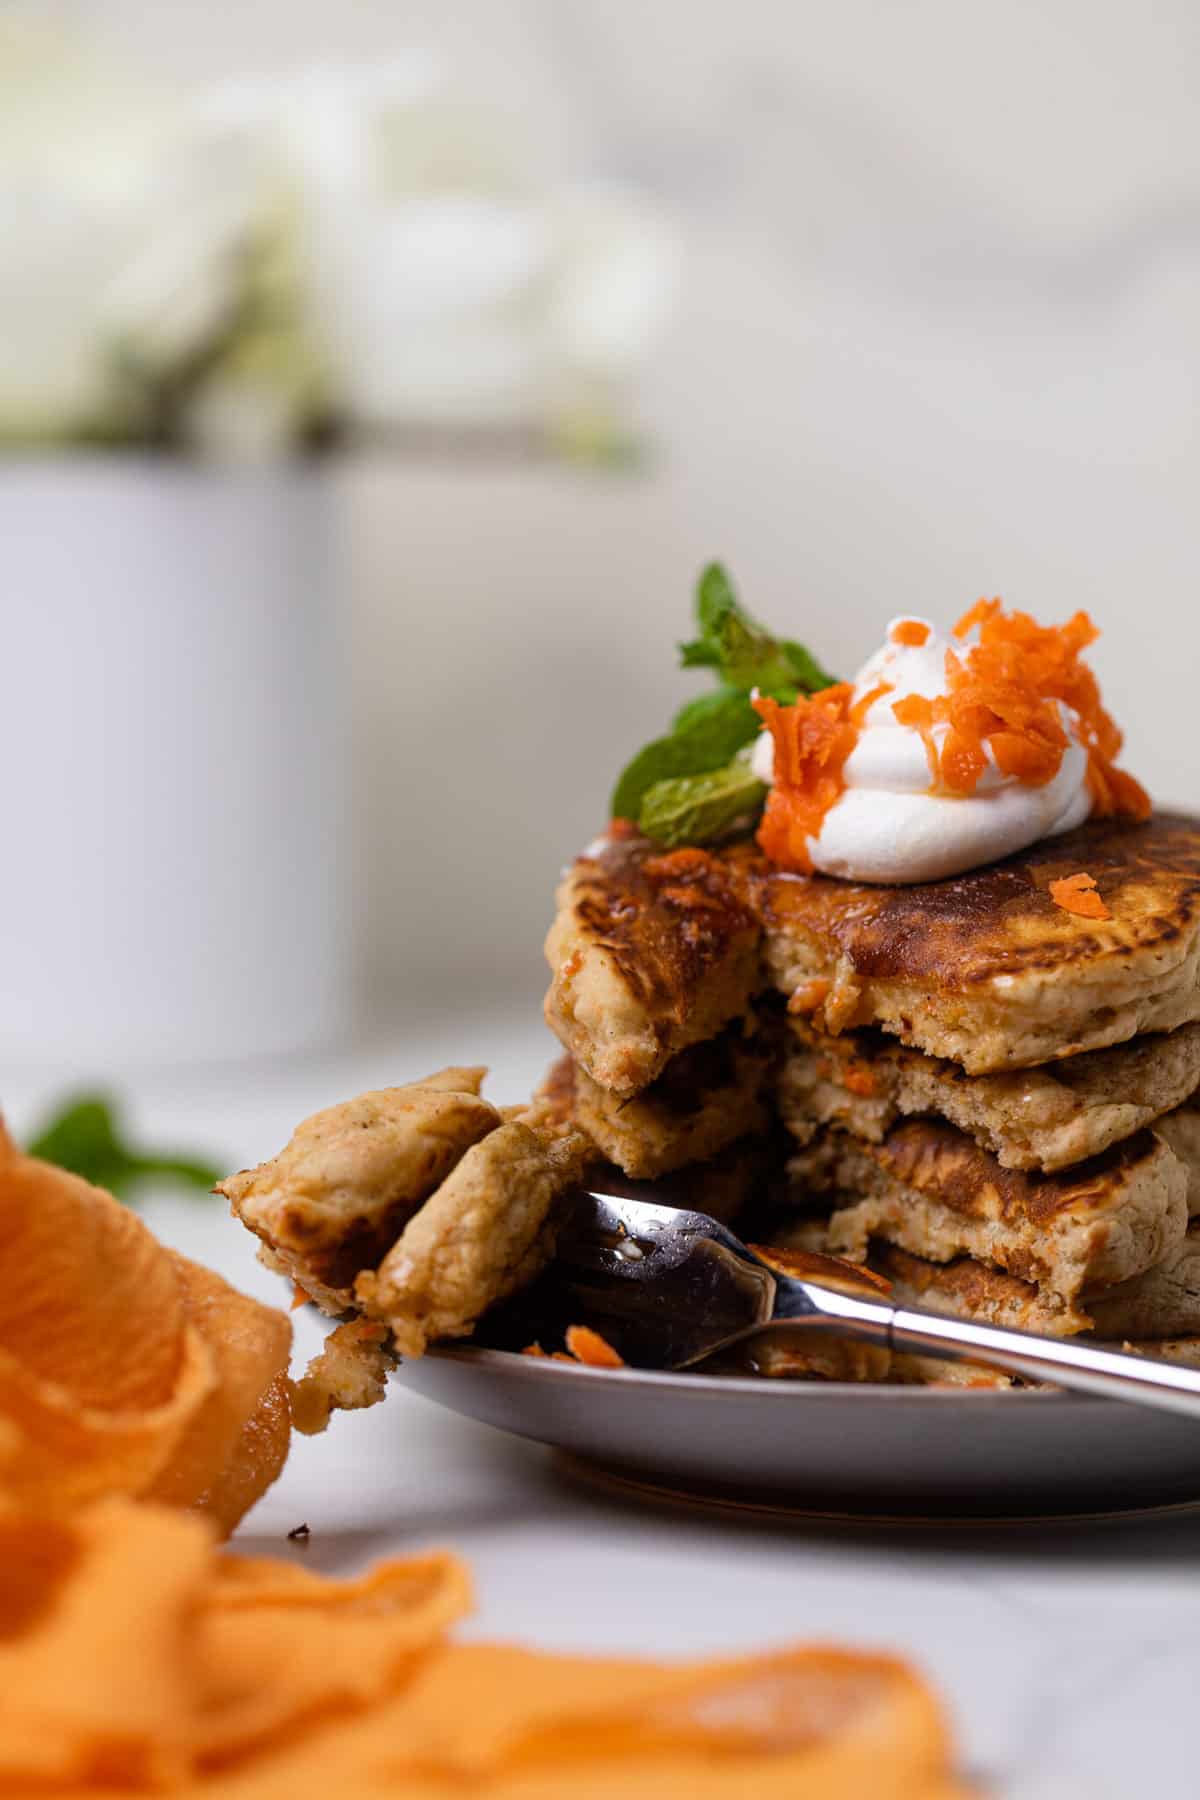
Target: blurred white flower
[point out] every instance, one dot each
(74, 157)
(454, 279)
(368, 244)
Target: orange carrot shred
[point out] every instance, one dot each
(1003, 696)
(917, 711)
(299, 1297)
(809, 995)
(979, 614)
(913, 632)
(1077, 894)
(587, 1346)
(812, 740)
(860, 709)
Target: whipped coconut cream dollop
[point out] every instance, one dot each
(893, 821)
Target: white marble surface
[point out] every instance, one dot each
(1069, 1655)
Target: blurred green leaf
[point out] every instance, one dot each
(84, 1135)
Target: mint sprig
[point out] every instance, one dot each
(743, 653)
(708, 732)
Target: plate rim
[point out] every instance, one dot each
(546, 1368)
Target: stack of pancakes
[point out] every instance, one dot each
(991, 1100)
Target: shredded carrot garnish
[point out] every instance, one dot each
(812, 738)
(587, 1346)
(622, 828)
(299, 1297)
(858, 1078)
(916, 711)
(678, 865)
(583, 1346)
(1077, 894)
(913, 632)
(979, 614)
(860, 708)
(1003, 695)
(809, 995)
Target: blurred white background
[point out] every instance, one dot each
(937, 334)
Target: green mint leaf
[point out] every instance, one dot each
(807, 672)
(719, 701)
(705, 741)
(696, 809)
(84, 1137)
(715, 597)
(743, 651)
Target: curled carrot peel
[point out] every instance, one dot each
(138, 1660)
(1077, 894)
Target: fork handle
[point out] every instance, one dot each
(1086, 1368)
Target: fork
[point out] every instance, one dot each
(682, 1286)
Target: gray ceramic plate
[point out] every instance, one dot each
(828, 1447)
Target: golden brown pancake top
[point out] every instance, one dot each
(667, 918)
(1001, 919)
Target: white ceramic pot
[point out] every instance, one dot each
(172, 761)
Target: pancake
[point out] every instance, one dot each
(930, 1189)
(337, 1197)
(1162, 1302)
(986, 969)
(420, 1206)
(484, 1234)
(650, 953)
(706, 1098)
(968, 1289)
(1182, 1350)
(1154, 1315)
(1046, 1118)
